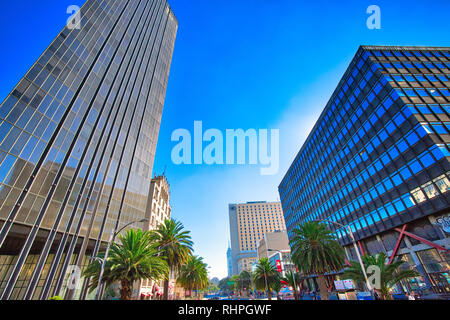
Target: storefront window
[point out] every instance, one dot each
(437, 267)
(433, 261)
(416, 284)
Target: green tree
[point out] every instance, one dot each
(245, 281)
(293, 280)
(234, 280)
(390, 274)
(194, 274)
(223, 285)
(212, 288)
(266, 277)
(277, 287)
(175, 245)
(135, 258)
(316, 251)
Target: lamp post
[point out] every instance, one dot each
(356, 249)
(98, 294)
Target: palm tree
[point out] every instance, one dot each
(223, 285)
(176, 247)
(245, 280)
(135, 258)
(277, 287)
(234, 281)
(266, 276)
(194, 274)
(390, 274)
(293, 280)
(316, 251)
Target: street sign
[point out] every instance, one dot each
(339, 284)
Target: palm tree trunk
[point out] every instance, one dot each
(295, 294)
(166, 286)
(322, 287)
(385, 295)
(269, 294)
(166, 290)
(125, 290)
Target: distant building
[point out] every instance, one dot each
(158, 210)
(158, 207)
(248, 224)
(229, 262)
(215, 281)
(275, 247)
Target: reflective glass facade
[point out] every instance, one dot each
(77, 142)
(378, 157)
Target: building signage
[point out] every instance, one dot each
(339, 285)
(342, 285)
(278, 263)
(348, 284)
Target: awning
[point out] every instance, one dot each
(285, 290)
(146, 294)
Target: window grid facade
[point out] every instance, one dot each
(77, 140)
(378, 157)
(249, 222)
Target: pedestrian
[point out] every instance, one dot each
(376, 296)
(417, 295)
(411, 296)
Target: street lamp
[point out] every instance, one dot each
(98, 294)
(356, 249)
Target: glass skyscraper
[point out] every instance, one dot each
(77, 142)
(377, 160)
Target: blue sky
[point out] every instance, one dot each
(239, 64)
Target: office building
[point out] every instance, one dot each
(248, 224)
(158, 208)
(77, 142)
(275, 247)
(377, 160)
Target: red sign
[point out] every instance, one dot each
(278, 263)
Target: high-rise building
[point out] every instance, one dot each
(248, 224)
(77, 143)
(377, 160)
